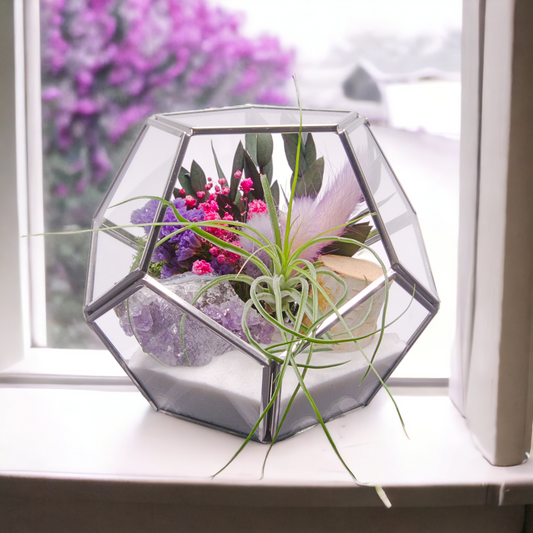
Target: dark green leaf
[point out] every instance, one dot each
(184, 178)
(290, 141)
(311, 182)
(265, 147)
(250, 171)
(358, 232)
(217, 164)
(268, 171)
(198, 180)
(241, 205)
(238, 164)
(310, 150)
(227, 206)
(274, 189)
(251, 146)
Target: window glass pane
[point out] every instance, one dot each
(107, 66)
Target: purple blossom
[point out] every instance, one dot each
(148, 56)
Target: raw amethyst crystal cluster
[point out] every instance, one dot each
(177, 339)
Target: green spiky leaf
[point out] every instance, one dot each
(220, 172)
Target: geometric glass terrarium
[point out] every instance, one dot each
(193, 358)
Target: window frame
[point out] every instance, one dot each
(492, 365)
(498, 429)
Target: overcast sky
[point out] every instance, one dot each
(314, 27)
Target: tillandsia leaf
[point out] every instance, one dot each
(250, 171)
(220, 172)
(265, 148)
(184, 178)
(311, 182)
(286, 248)
(380, 332)
(238, 165)
(261, 417)
(198, 181)
(379, 490)
(271, 211)
(358, 232)
(250, 140)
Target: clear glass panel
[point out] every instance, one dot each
(145, 173)
(339, 390)
(396, 212)
(257, 116)
(183, 366)
(113, 260)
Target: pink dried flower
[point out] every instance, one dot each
(207, 186)
(200, 194)
(201, 267)
(217, 188)
(190, 201)
(256, 206)
(209, 179)
(238, 174)
(246, 185)
(182, 192)
(228, 216)
(225, 190)
(221, 258)
(214, 251)
(210, 206)
(222, 181)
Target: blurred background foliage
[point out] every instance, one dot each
(106, 66)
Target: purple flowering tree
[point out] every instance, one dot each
(106, 66)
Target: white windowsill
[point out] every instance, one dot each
(107, 438)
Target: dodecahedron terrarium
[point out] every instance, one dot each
(197, 231)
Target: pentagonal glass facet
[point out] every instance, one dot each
(340, 389)
(152, 293)
(183, 367)
(145, 172)
(395, 210)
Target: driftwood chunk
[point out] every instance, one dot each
(352, 267)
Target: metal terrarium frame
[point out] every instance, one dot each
(139, 278)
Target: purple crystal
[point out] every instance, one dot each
(176, 339)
